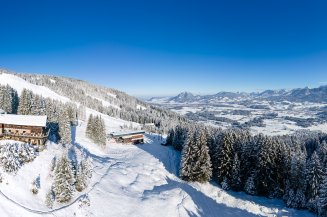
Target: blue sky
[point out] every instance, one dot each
(165, 47)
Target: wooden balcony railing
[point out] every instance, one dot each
(34, 136)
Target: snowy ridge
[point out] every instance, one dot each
(19, 84)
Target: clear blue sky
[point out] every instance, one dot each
(164, 47)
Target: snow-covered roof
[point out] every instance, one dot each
(24, 120)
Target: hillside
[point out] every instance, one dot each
(127, 180)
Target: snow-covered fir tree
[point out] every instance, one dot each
(83, 175)
(170, 137)
(314, 174)
(96, 130)
(25, 102)
(195, 164)
(63, 186)
(224, 159)
(251, 185)
(179, 137)
(50, 198)
(235, 182)
(65, 128)
(322, 201)
(8, 99)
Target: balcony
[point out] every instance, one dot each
(28, 136)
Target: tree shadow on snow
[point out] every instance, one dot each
(85, 151)
(206, 206)
(170, 158)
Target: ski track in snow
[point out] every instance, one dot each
(42, 212)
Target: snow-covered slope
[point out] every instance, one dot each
(130, 181)
(19, 84)
(133, 181)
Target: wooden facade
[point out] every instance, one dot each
(36, 135)
(136, 137)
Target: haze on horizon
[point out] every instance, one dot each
(156, 48)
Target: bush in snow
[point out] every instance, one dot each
(27, 152)
(35, 185)
(14, 155)
(83, 175)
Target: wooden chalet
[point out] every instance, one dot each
(24, 128)
(135, 137)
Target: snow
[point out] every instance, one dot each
(24, 120)
(19, 84)
(106, 103)
(112, 95)
(319, 127)
(140, 107)
(184, 110)
(129, 181)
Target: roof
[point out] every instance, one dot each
(120, 134)
(24, 120)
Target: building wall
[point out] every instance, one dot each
(31, 134)
(22, 129)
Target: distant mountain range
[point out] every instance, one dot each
(318, 94)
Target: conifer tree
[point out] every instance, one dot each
(251, 185)
(25, 102)
(65, 128)
(64, 180)
(96, 130)
(225, 156)
(236, 175)
(170, 137)
(196, 164)
(84, 173)
(89, 127)
(49, 199)
(314, 174)
(322, 202)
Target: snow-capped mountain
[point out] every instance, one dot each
(318, 94)
(183, 97)
(127, 180)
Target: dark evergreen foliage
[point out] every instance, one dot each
(288, 167)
